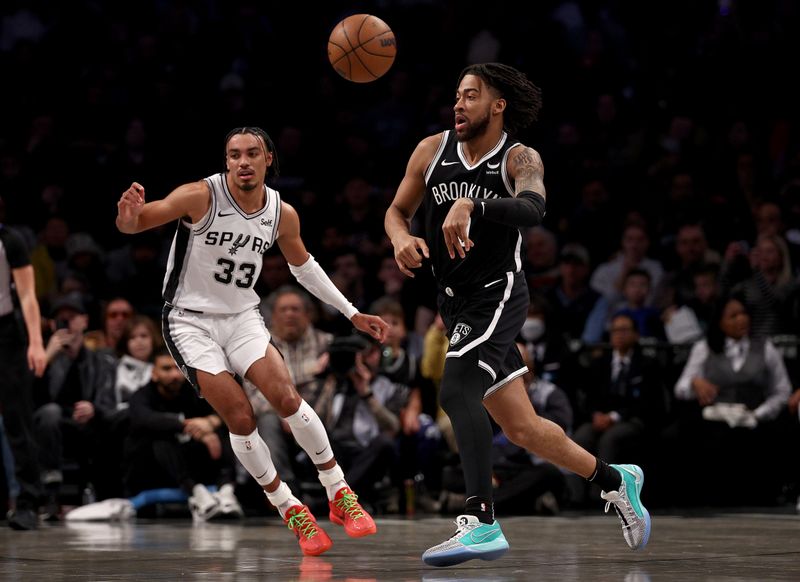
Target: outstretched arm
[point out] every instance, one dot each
(311, 276)
(135, 215)
(409, 250)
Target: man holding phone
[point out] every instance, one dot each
(74, 378)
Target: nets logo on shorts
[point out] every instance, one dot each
(460, 332)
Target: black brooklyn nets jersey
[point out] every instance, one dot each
(449, 177)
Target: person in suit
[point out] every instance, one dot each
(626, 400)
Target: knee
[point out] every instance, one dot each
(48, 416)
(450, 398)
(241, 422)
(288, 402)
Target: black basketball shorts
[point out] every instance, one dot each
(488, 320)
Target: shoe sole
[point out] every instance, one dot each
(317, 552)
(645, 513)
(351, 533)
(464, 554)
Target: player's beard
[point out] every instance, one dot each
(248, 186)
(474, 130)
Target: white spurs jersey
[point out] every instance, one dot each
(214, 264)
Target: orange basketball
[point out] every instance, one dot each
(361, 48)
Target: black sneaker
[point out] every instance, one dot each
(22, 518)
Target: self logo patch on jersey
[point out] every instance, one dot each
(460, 332)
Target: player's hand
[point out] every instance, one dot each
(372, 325)
(408, 253)
(456, 228)
(130, 206)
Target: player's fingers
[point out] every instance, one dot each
(422, 246)
(448, 242)
(404, 270)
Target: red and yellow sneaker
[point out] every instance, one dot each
(312, 539)
(347, 511)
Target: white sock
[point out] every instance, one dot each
(282, 499)
(254, 456)
(310, 434)
(333, 480)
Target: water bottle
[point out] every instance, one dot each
(410, 500)
(88, 494)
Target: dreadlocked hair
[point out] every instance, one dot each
(523, 98)
(274, 169)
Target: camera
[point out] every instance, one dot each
(62, 323)
(342, 352)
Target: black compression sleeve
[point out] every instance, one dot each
(527, 209)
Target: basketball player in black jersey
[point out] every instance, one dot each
(20, 354)
(478, 187)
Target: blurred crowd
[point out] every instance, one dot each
(665, 279)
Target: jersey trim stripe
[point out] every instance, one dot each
(488, 368)
(517, 258)
(182, 246)
(208, 220)
(504, 171)
(497, 385)
(488, 155)
(236, 207)
(489, 330)
(277, 217)
(436, 156)
(189, 372)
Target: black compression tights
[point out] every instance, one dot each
(461, 397)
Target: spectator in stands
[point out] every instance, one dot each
(623, 401)
(274, 275)
(435, 344)
(361, 411)
(116, 314)
(134, 370)
(177, 440)
(691, 253)
(419, 438)
(541, 259)
(67, 420)
(738, 385)
(609, 277)
(543, 342)
(635, 291)
(578, 310)
(767, 289)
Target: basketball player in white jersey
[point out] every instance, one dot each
(212, 326)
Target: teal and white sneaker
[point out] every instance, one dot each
(473, 539)
(632, 514)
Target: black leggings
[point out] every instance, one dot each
(461, 397)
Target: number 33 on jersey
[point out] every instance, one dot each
(214, 264)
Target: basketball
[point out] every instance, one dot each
(361, 48)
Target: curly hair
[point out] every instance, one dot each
(523, 98)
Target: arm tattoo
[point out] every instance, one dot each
(529, 171)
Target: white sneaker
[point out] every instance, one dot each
(116, 509)
(203, 504)
(228, 504)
